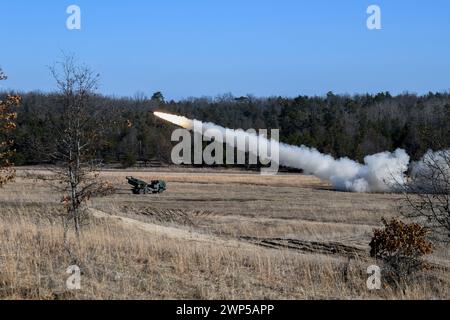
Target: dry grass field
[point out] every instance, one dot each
(212, 235)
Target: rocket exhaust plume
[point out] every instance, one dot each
(178, 120)
(379, 173)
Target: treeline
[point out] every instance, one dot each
(340, 125)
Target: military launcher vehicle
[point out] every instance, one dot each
(142, 187)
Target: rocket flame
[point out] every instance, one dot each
(178, 120)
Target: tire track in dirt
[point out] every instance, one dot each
(300, 246)
(327, 248)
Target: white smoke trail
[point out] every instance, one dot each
(379, 173)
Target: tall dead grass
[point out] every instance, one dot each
(119, 263)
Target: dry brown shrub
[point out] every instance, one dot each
(401, 247)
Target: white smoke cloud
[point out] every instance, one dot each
(432, 159)
(378, 173)
(432, 172)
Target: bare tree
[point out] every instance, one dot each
(7, 125)
(2, 75)
(427, 193)
(77, 129)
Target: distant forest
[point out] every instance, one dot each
(340, 125)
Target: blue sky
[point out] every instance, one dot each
(210, 47)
